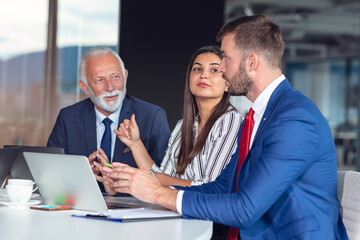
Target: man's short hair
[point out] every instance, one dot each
(256, 34)
(94, 52)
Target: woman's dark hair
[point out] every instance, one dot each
(189, 150)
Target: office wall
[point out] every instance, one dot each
(157, 39)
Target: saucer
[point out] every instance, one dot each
(20, 204)
(4, 194)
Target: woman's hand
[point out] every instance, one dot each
(128, 132)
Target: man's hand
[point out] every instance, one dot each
(97, 155)
(104, 181)
(140, 184)
(97, 168)
(92, 158)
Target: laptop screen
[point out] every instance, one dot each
(7, 158)
(67, 180)
(20, 169)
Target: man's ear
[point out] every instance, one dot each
(252, 62)
(126, 76)
(83, 87)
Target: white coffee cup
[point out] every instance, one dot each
(22, 182)
(19, 193)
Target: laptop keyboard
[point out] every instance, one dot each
(112, 205)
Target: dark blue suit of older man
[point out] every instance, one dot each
(75, 129)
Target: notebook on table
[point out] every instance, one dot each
(20, 169)
(68, 180)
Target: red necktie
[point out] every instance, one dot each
(243, 151)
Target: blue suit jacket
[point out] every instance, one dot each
(287, 187)
(75, 129)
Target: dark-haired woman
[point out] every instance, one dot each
(202, 143)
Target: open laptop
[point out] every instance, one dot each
(20, 169)
(7, 158)
(68, 180)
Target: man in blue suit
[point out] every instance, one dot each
(287, 184)
(79, 128)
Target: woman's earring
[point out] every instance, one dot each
(226, 89)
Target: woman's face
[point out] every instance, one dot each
(206, 81)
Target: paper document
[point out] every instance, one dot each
(127, 215)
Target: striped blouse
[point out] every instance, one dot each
(220, 145)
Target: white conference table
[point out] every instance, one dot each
(31, 224)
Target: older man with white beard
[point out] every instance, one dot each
(87, 127)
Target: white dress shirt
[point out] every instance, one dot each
(260, 104)
(259, 107)
(100, 127)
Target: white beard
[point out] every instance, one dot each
(111, 106)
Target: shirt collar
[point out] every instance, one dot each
(114, 116)
(262, 100)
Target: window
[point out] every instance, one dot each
(30, 97)
(81, 25)
(22, 66)
(333, 86)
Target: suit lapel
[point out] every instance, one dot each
(90, 127)
(125, 113)
(273, 101)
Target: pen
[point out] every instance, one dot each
(109, 165)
